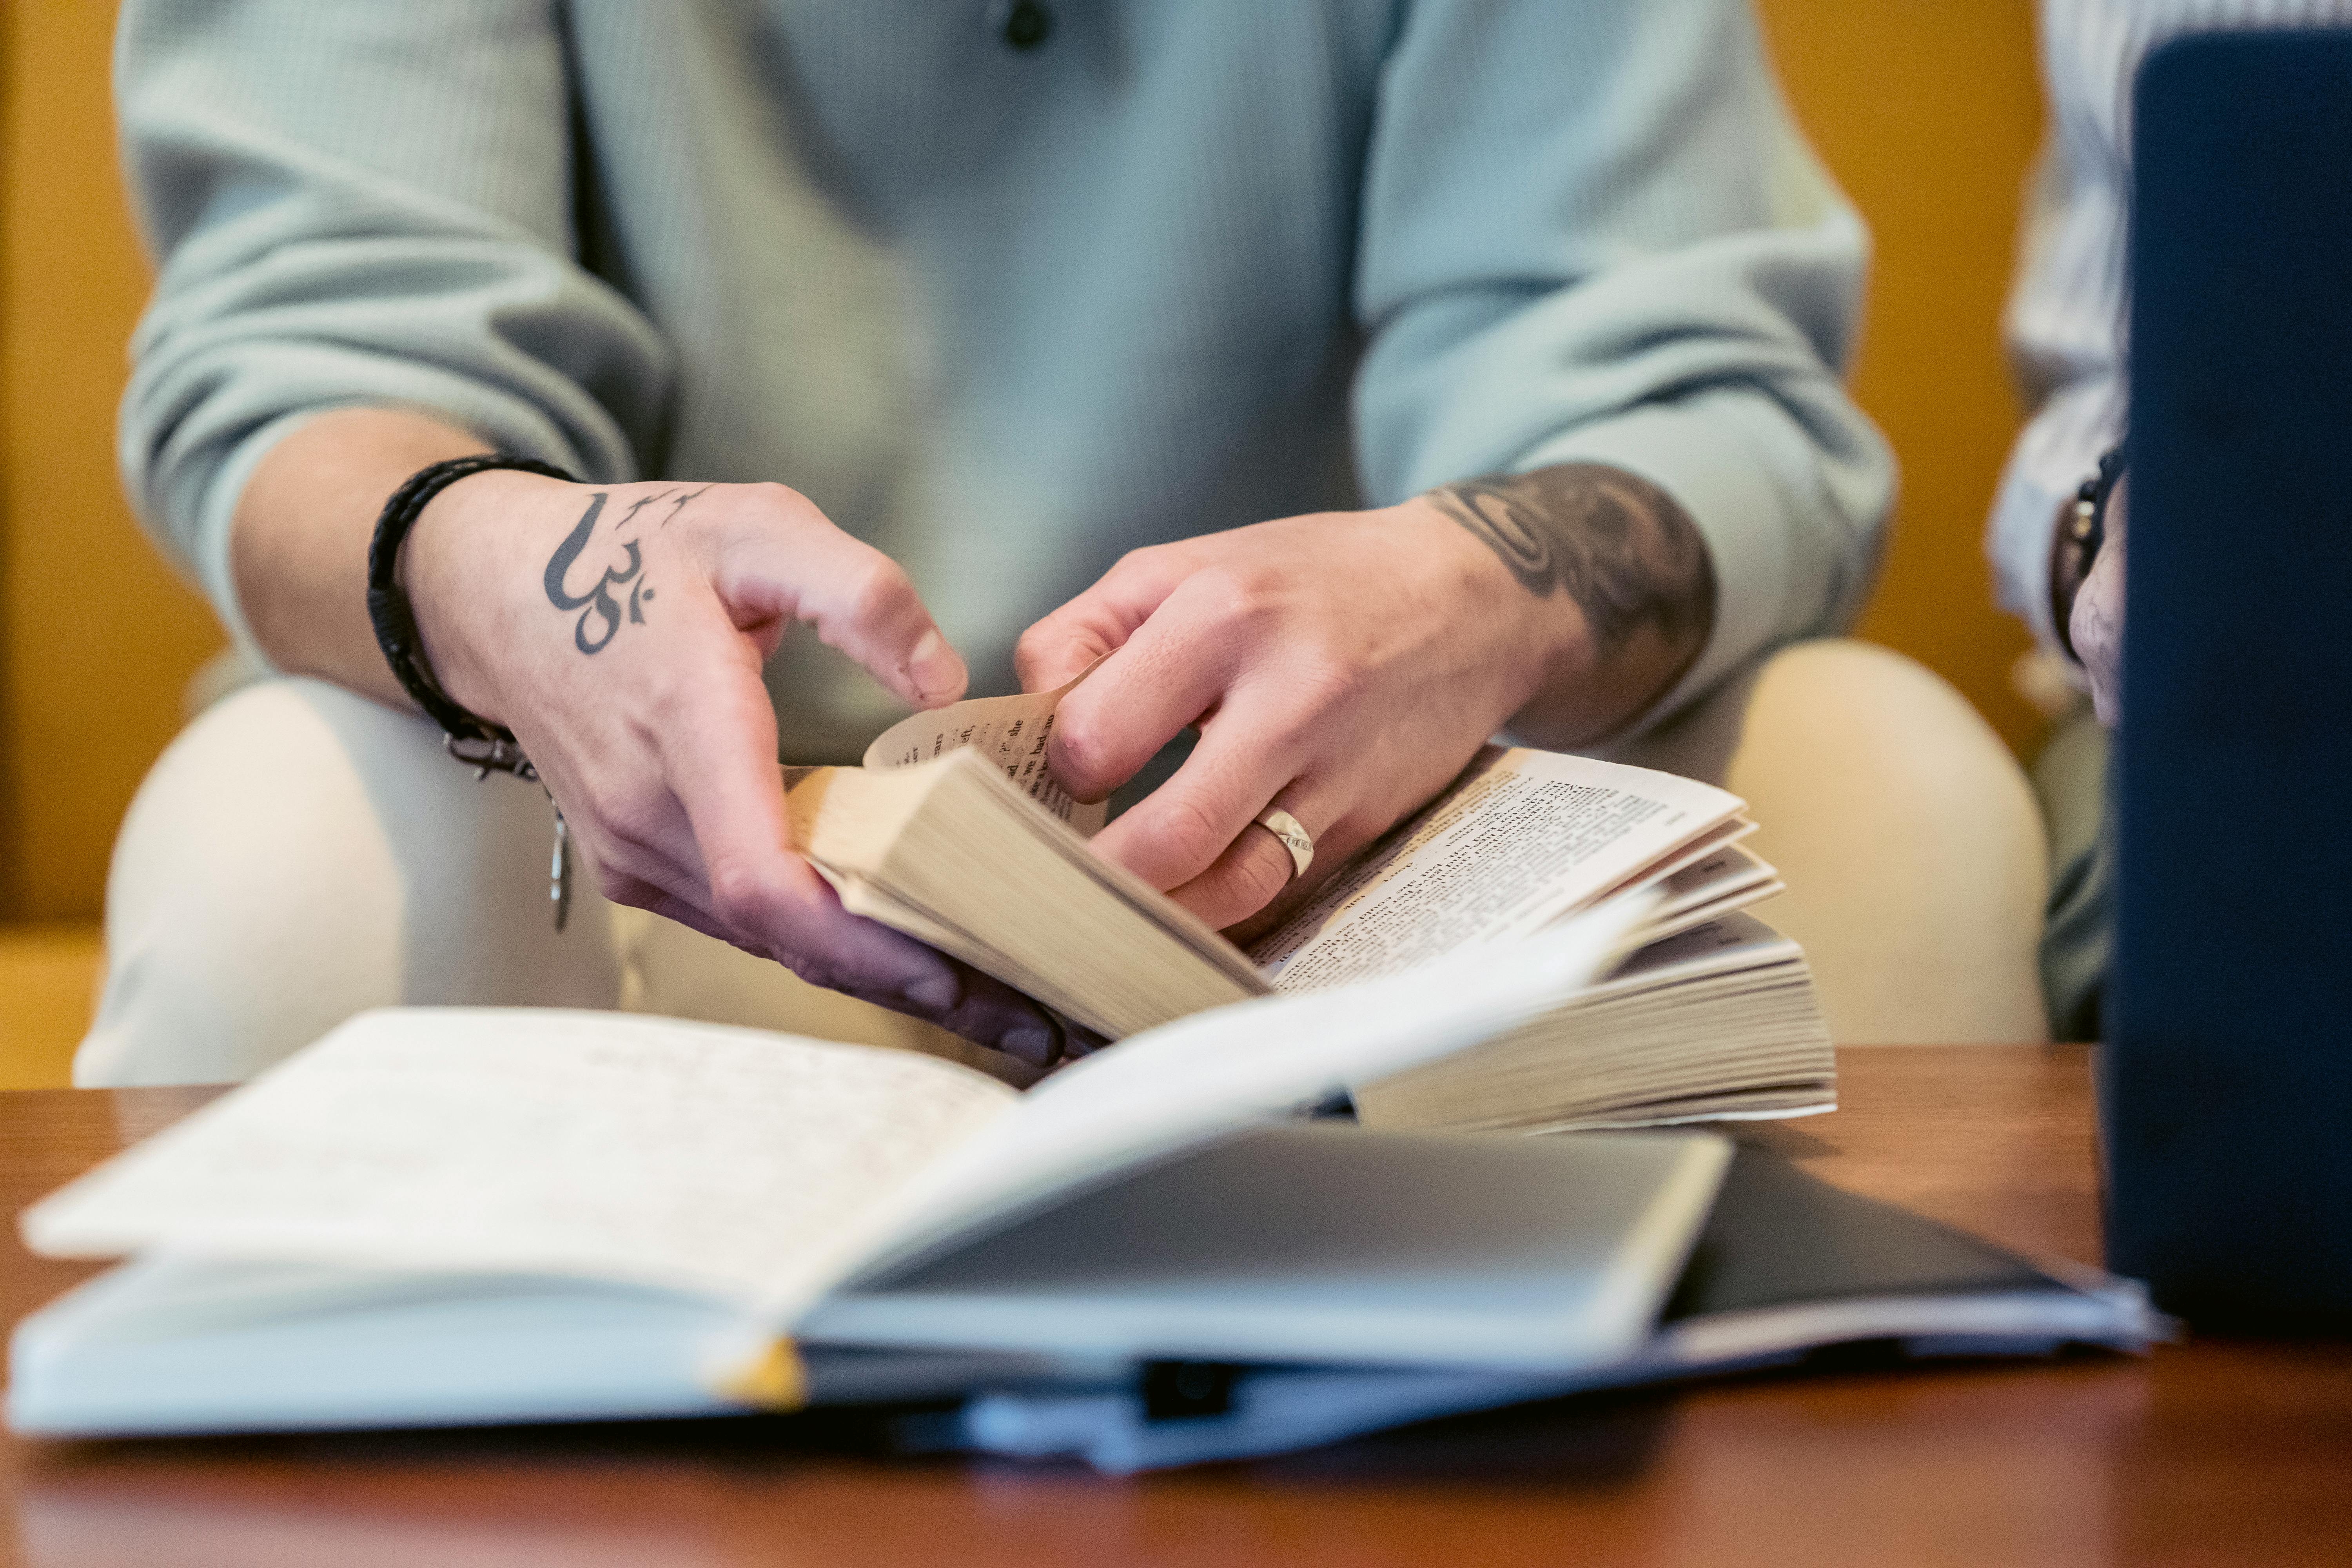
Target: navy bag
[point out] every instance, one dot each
(2227, 1085)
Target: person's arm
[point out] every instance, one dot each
(1616, 564)
(2064, 325)
(1345, 665)
(642, 709)
(364, 268)
(298, 540)
(1606, 290)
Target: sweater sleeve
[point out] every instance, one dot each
(2065, 334)
(1591, 232)
(2064, 322)
(359, 204)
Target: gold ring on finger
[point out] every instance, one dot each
(1295, 838)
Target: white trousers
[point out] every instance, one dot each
(300, 854)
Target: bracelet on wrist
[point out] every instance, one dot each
(2082, 530)
(467, 736)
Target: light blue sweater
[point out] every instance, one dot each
(1007, 313)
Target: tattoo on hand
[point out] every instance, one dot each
(1616, 544)
(602, 614)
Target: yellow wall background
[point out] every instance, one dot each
(1927, 109)
(96, 638)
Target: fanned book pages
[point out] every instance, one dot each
(953, 833)
(438, 1216)
(1716, 1023)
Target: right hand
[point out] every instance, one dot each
(2097, 626)
(619, 631)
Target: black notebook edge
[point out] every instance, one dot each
(1787, 1266)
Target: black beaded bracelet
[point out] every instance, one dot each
(2082, 529)
(468, 737)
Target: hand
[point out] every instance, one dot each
(2096, 626)
(619, 631)
(1344, 666)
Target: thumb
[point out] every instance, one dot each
(857, 599)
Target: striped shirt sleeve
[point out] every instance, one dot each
(2064, 325)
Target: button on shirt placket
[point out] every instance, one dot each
(1025, 24)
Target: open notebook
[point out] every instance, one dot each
(449, 1216)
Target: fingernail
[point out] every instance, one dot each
(1030, 1042)
(937, 992)
(934, 669)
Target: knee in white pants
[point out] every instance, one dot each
(300, 854)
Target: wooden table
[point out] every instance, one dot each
(2204, 1452)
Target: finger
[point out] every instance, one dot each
(864, 959)
(992, 1014)
(856, 598)
(1255, 884)
(766, 898)
(867, 960)
(1334, 846)
(1141, 698)
(1180, 829)
(1249, 875)
(1058, 648)
(759, 894)
(983, 1010)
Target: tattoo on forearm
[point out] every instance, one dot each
(1617, 545)
(600, 612)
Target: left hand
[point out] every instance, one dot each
(1343, 666)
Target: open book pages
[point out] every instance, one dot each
(761, 1170)
(732, 1162)
(1331, 1246)
(952, 853)
(953, 833)
(1009, 732)
(1718, 1023)
(956, 844)
(1523, 838)
(1719, 883)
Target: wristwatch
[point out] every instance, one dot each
(2082, 528)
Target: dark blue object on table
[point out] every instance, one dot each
(2227, 1087)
